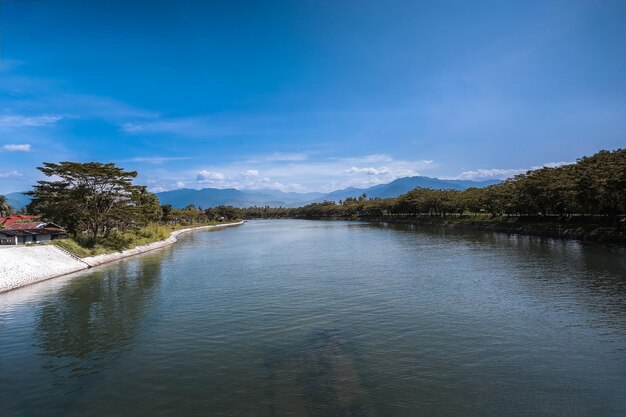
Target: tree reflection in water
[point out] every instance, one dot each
(89, 322)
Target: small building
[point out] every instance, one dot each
(17, 233)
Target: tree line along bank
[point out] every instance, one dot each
(99, 202)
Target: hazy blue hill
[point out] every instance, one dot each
(211, 197)
(341, 194)
(464, 184)
(292, 194)
(404, 185)
(18, 200)
(291, 197)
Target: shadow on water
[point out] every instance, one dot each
(317, 378)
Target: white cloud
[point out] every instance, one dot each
(366, 176)
(401, 173)
(191, 127)
(323, 174)
(335, 173)
(133, 127)
(156, 159)
(279, 157)
(17, 121)
(501, 174)
(12, 147)
(11, 174)
(250, 179)
(251, 173)
(180, 184)
(157, 189)
(368, 159)
(488, 174)
(369, 171)
(205, 176)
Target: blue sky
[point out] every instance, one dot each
(308, 95)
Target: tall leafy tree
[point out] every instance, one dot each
(91, 197)
(5, 207)
(147, 206)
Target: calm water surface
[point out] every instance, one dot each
(299, 318)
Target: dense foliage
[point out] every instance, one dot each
(5, 207)
(104, 212)
(192, 214)
(97, 199)
(593, 186)
(92, 198)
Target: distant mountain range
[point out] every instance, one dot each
(17, 200)
(211, 197)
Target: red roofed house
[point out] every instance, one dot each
(17, 230)
(5, 221)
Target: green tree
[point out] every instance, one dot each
(166, 212)
(5, 207)
(594, 185)
(147, 207)
(90, 197)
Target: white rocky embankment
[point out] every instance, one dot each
(24, 265)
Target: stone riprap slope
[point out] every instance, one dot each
(23, 265)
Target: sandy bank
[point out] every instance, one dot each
(24, 265)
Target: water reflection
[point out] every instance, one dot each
(91, 320)
(598, 269)
(296, 318)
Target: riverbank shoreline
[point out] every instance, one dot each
(594, 234)
(25, 265)
(560, 230)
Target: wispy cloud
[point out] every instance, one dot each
(367, 159)
(12, 147)
(11, 174)
(156, 159)
(488, 174)
(279, 157)
(192, 127)
(251, 173)
(250, 179)
(300, 174)
(19, 121)
(501, 174)
(369, 171)
(365, 174)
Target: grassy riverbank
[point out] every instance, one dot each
(119, 241)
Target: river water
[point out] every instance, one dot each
(313, 318)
